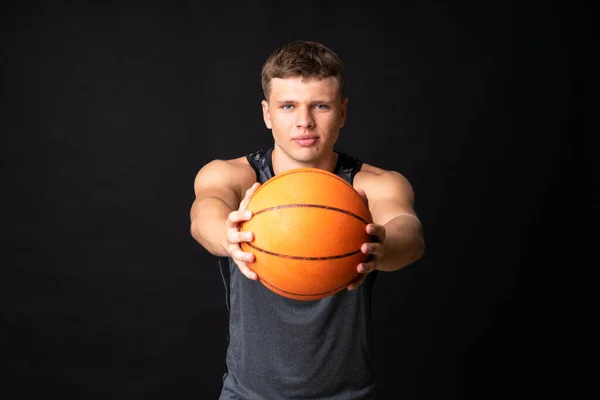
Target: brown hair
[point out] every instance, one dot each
(302, 58)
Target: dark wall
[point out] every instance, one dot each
(108, 111)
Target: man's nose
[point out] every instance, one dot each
(305, 119)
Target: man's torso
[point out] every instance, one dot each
(281, 348)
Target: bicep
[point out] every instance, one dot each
(220, 180)
(391, 195)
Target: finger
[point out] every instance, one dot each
(374, 249)
(363, 196)
(249, 193)
(235, 217)
(242, 259)
(235, 236)
(238, 254)
(244, 269)
(357, 282)
(367, 267)
(376, 230)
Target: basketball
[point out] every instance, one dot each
(309, 225)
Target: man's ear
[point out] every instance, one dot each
(266, 114)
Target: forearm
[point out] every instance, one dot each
(404, 243)
(209, 224)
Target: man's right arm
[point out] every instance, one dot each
(219, 187)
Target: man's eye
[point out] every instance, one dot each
(287, 106)
(321, 106)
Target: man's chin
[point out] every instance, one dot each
(307, 154)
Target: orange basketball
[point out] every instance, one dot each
(308, 225)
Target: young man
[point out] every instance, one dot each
(281, 348)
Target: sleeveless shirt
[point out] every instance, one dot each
(280, 348)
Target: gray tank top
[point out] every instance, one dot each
(281, 348)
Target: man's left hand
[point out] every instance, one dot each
(374, 250)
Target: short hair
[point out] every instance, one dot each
(302, 58)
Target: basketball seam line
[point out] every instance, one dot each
(322, 258)
(313, 206)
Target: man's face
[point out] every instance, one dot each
(305, 116)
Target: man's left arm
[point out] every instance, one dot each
(396, 226)
(403, 243)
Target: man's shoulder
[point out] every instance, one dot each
(371, 175)
(227, 169)
(241, 162)
(369, 171)
(234, 173)
(229, 163)
(246, 160)
(370, 168)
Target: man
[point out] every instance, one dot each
(281, 348)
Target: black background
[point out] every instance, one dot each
(108, 111)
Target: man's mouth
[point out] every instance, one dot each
(306, 141)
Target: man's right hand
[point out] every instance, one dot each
(235, 237)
